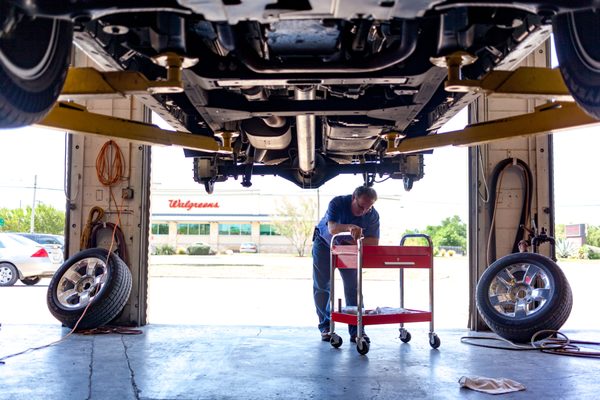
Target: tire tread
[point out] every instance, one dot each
(552, 317)
(107, 305)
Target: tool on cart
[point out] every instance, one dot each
(361, 257)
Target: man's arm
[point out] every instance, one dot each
(354, 230)
(371, 241)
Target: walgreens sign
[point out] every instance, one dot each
(188, 205)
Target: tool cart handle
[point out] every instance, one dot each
(416, 235)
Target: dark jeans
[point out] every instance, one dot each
(322, 284)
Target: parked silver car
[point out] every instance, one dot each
(248, 248)
(52, 243)
(23, 259)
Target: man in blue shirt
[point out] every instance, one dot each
(354, 214)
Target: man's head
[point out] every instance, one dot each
(363, 199)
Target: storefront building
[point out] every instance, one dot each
(224, 221)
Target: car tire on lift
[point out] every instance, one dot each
(521, 294)
(32, 80)
(89, 276)
(576, 39)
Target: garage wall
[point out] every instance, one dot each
(536, 152)
(86, 192)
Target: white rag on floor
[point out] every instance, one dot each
(490, 385)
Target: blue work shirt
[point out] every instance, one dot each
(340, 211)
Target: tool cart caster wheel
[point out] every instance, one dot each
(434, 340)
(405, 335)
(362, 346)
(336, 340)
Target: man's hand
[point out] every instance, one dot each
(355, 231)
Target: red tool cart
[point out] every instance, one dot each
(360, 256)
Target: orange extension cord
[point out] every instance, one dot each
(109, 164)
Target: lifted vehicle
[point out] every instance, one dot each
(305, 90)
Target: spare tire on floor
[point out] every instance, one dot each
(90, 276)
(524, 293)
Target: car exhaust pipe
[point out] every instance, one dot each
(305, 131)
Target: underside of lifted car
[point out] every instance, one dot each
(305, 90)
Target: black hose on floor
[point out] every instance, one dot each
(558, 344)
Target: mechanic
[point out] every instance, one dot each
(350, 213)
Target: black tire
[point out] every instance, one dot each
(523, 293)
(30, 281)
(576, 38)
(89, 276)
(336, 341)
(8, 274)
(34, 61)
(209, 186)
(362, 346)
(406, 337)
(434, 341)
(408, 182)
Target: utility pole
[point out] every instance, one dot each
(318, 206)
(32, 225)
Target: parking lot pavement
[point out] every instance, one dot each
(279, 292)
(275, 290)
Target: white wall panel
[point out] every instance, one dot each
(535, 152)
(86, 192)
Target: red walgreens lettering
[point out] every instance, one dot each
(188, 205)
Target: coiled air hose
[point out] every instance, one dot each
(524, 221)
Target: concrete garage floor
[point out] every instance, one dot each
(224, 337)
(243, 362)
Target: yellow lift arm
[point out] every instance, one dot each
(89, 83)
(74, 118)
(525, 82)
(547, 118)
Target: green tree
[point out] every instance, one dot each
(592, 236)
(47, 219)
(296, 222)
(15, 220)
(560, 231)
(451, 232)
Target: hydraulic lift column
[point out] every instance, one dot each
(131, 195)
(536, 152)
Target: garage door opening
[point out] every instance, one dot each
(577, 209)
(198, 295)
(273, 287)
